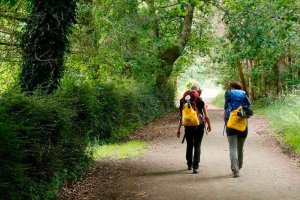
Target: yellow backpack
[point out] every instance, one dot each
(235, 121)
(189, 116)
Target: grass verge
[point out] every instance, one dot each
(219, 100)
(124, 150)
(284, 117)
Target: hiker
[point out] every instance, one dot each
(234, 98)
(194, 134)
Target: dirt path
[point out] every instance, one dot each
(160, 173)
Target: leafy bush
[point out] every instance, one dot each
(116, 109)
(43, 144)
(44, 138)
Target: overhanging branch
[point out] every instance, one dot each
(187, 26)
(7, 44)
(12, 17)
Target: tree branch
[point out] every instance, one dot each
(167, 6)
(7, 31)
(9, 49)
(21, 19)
(187, 26)
(8, 44)
(154, 24)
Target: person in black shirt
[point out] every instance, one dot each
(194, 134)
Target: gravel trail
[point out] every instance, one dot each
(160, 172)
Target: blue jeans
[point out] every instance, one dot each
(236, 145)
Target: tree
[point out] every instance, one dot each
(170, 53)
(44, 43)
(262, 43)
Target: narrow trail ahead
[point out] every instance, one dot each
(160, 173)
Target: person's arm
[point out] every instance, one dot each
(207, 118)
(226, 104)
(180, 117)
(248, 103)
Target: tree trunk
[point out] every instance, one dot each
(44, 44)
(278, 69)
(250, 64)
(242, 77)
(170, 55)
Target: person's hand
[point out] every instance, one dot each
(178, 133)
(209, 128)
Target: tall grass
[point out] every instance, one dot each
(284, 116)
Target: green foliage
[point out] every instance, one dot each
(45, 138)
(40, 134)
(44, 43)
(12, 19)
(113, 110)
(284, 115)
(263, 37)
(219, 100)
(8, 2)
(12, 174)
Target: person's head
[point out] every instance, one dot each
(235, 85)
(196, 87)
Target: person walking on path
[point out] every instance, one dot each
(194, 134)
(234, 98)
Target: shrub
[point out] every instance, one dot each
(42, 142)
(44, 138)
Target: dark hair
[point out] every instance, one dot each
(199, 91)
(236, 85)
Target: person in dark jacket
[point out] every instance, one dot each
(234, 98)
(194, 134)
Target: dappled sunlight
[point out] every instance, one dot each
(125, 150)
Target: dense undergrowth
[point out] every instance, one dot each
(44, 139)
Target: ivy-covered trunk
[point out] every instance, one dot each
(44, 43)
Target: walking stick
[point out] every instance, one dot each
(183, 139)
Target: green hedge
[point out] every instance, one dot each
(44, 139)
(41, 139)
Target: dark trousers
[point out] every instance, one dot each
(194, 135)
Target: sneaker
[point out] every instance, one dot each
(235, 174)
(189, 167)
(195, 171)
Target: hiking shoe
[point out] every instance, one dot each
(189, 167)
(235, 174)
(195, 171)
